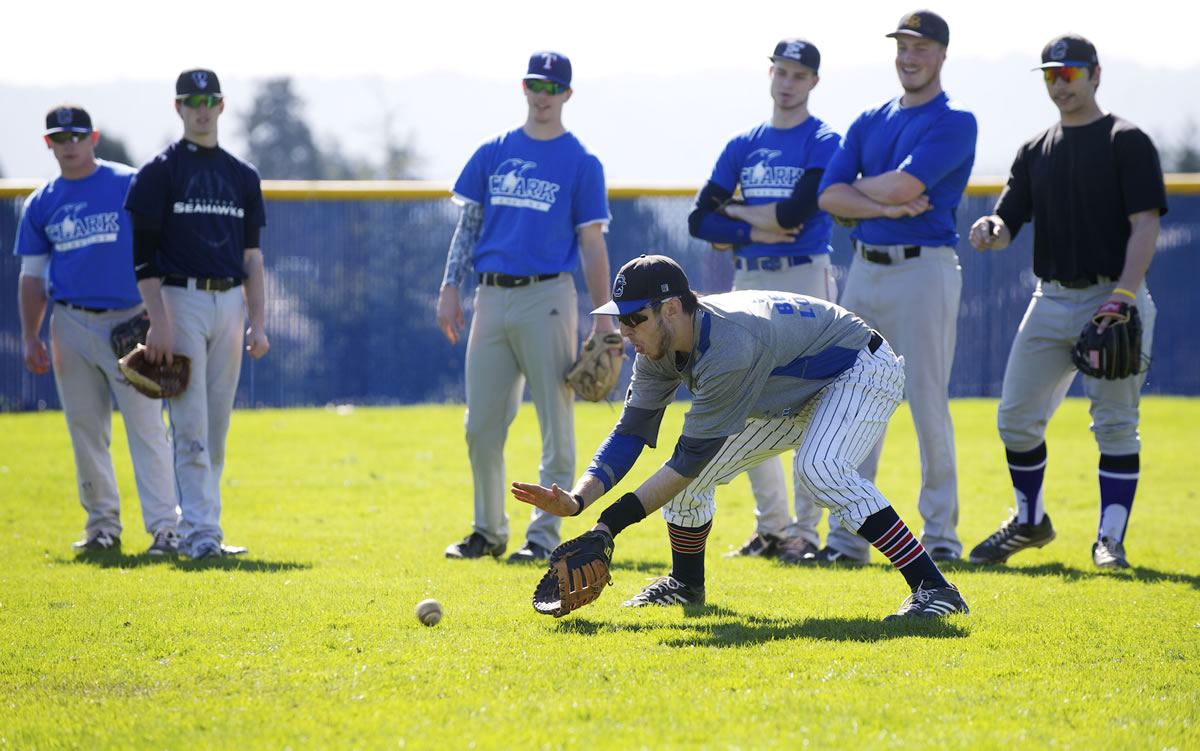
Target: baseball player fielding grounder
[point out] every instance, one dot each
(77, 227)
(768, 372)
(534, 206)
(900, 172)
(197, 218)
(1093, 187)
(780, 241)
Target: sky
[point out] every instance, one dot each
(660, 85)
(142, 39)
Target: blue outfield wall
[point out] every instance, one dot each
(352, 284)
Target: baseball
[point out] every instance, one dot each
(429, 612)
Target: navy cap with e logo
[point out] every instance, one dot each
(68, 117)
(644, 280)
(800, 51)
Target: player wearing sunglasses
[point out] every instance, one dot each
(1093, 187)
(534, 206)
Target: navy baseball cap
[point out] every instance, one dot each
(550, 66)
(798, 51)
(925, 24)
(66, 117)
(642, 281)
(197, 81)
(1068, 50)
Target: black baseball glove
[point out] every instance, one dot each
(128, 334)
(1115, 352)
(579, 572)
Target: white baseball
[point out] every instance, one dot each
(429, 612)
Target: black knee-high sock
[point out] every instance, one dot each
(890, 536)
(687, 552)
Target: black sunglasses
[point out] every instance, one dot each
(73, 136)
(635, 319)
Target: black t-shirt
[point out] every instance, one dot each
(1078, 186)
(207, 203)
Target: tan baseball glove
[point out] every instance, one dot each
(159, 381)
(578, 574)
(594, 375)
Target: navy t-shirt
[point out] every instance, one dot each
(203, 200)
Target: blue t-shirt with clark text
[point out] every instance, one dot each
(84, 228)
(535, 196)
(934, 143)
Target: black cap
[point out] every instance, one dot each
(925, 24)
(1068, 50)
(70, 118)
(644, 280)
(197, 81)
(550, 66)
(798, 51)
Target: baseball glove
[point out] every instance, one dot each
(594, 375)
(159, 381)
(128, 334)
(1115, 352)
(579, 572)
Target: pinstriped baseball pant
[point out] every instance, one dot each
(832, 433)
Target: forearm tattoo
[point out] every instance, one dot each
(462, 245)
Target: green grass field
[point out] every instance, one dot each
(311, 641)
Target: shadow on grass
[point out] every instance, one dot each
(117, 559)
(1071, 573)
(728, 629)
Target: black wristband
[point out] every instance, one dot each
(578, 499)
(625, 511)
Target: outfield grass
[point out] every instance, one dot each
(311, 641)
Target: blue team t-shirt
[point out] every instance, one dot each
(202, 199)
(767, 162)
(934, 143)
(535, 195)
(82, 224)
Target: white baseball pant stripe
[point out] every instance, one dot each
(86, 375)
(832, 433)
(767, 480)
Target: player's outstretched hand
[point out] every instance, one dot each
(552, 500)
(449, 313)
(256, 342)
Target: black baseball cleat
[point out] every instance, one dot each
(530, 553)
(931, 602)
(1109, 553)
(96, 542)
(475, 545)
(761, 545)
(944, 554)
(1013, 537)
(666, 590)
(828, 556)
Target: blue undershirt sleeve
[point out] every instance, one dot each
(692, 455)
(705, 224)
(795, 210)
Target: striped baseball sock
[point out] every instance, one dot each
(1027, 468)
(890, 536)
(1118, 483)
(687, 552)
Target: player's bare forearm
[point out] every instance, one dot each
(761, 216)
(1139, 250)
(593, 254)
(891, 188)
(660, 487)
(160, 339)
(843, 200)
(31, 306)
(254, 285)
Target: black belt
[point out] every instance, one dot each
(495, 279)
(84, 308)
(879, 256)
(1081, 283)
(200, 283)
(770, 263)
(874, 342)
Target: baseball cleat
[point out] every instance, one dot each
(97, 541)
(165, 543)
(1109, 553)
(475, 545)
(666, 590)
(764, 546)
(530, 553)
(1013, 537)
(796, 549)
(931, 602)
(943, 554)
(827, 556)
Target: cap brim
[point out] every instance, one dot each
(1063, 64)
(614, 308)
(545, 78)
(70, 129)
